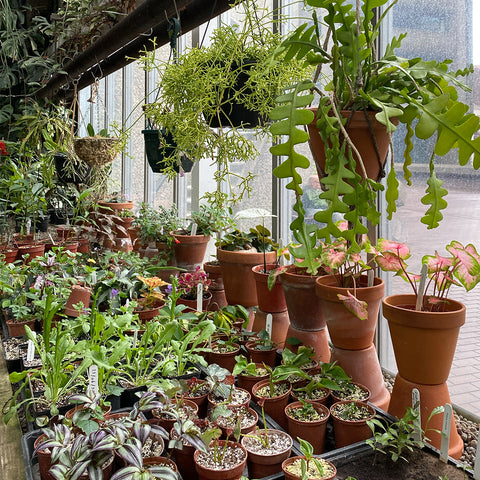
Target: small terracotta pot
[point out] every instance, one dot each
(314, 431)
(192, 304)
(224, 359)
(149, 313)
(108, 206)
(200, 400)
(247, 381)
(348, 431)
(268, 300)
(167, 423)
(262, 465)
(244, 430)
(44, 459)
(268, 357)
(337, 397)
(212, 403)
(32, 250)
(83, 245)
(291, 476)
(9, 255)
(17, 329)
(234, 473)
(323, 400)
(78, 295)
(274, 406)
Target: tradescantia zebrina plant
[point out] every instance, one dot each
(421, 94)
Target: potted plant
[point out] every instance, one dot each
(248, 373)
(376, 91)
(267, 448)
(151, 298)
(200, 92)
(188, 285)
(238, 252)
(350, 421)
(263, 350)
(425, 320)
(308, 421)
(97, 149)
(307, 466)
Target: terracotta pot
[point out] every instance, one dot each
(263, 464)
(33, 250)
(9, 255)
(268, 300)
(314, 431)
(65, 232)
(44, 459)
(245, 430)
(423, 342)
(108, 206)
(267, 357)
(274, 406)
(200, 400)
(217, 290)
(17, 329)
(184, 460)
(224, 359)
(290, 476)
(359, 132)
(351, 431)
(192, 304)
(167, 423)
(189, 250)
(162, 461)
(70, 246)
(212, 402)
(321, 400)
(238, 277)
(83, 245)
(234, 473)
(345, 329)
(304, 310)
(78, 294)
(247, 381)
(280, 324)
(149, 313)
(135, 236)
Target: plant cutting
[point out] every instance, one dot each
(262, 350)
(306, 467)
(188, 283)
(248, 373)
(389, 87)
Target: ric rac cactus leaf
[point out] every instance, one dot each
(434, 198)
(427, 124)
(391, 194)
(288, 115)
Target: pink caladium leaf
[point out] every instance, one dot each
(390, 262)
(355, 306)
(467, 265)
(437, 263)
(333, 259)
(397, 248)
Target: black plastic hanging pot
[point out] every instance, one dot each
(77, 177)
(160, 145)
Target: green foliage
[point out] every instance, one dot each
(421, 94)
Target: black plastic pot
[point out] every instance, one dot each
(160, 145)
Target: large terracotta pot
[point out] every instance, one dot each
(345, 329)
(189, 250)
(269, 462)
(359, 132)
(115, 206)
(424, 342)
(17, 329)
(314, 431)
(237, 274)
(268, 300)
(304, 310)
(233, 473)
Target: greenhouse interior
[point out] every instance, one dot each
(236, 240)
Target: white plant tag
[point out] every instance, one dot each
(135, 338)
(445, 442)
(269, 324)
(199, 297)
(93, 379)
(30, 350)
(194, 229)
(416, 406)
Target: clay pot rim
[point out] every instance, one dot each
(370, 408)
(298, 275)
(421, 319)
(325, 282)
(270, 430)
(290, 460)
(262, 383)
(230, 443)
(194, 238)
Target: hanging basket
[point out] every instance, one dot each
(159, 146)
(96, 151)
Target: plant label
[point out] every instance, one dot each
(447, 422)
(194, 229)
(135, 338)
(199, 297)
(31, 349)
(93, 379)
(269, 324)
(416, 406)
